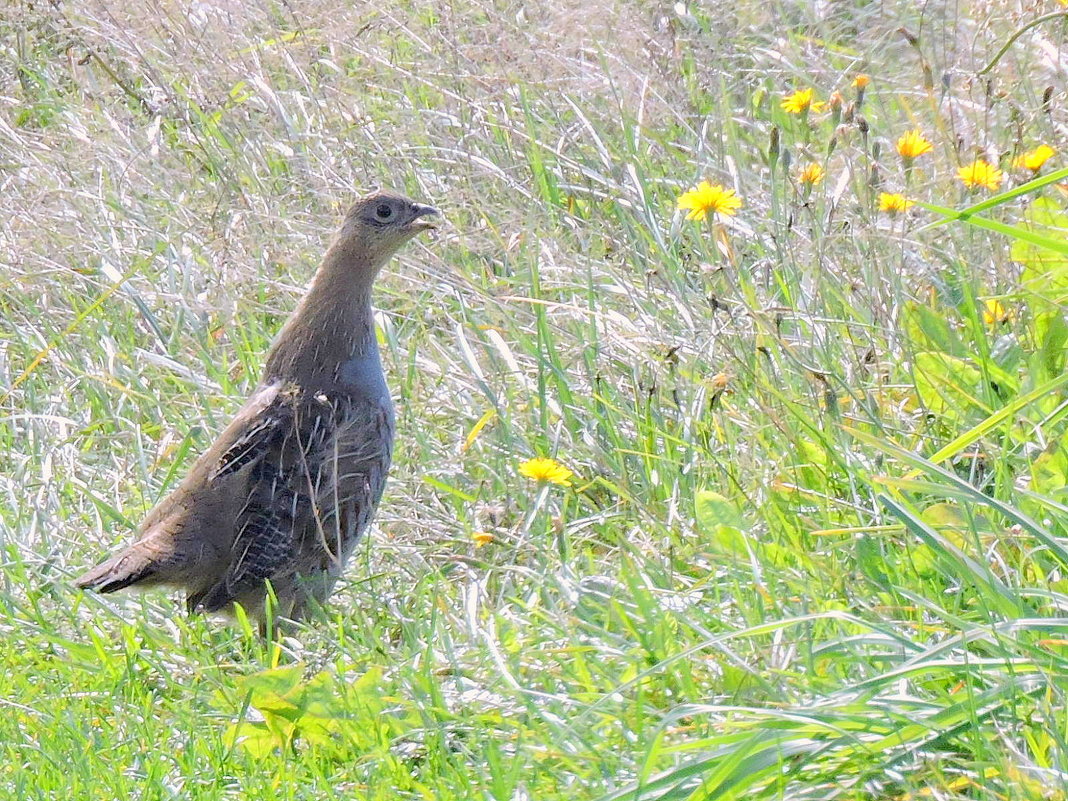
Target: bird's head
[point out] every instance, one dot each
(379, 223)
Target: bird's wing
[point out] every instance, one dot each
(258, 428)
(286, 452)
(160, 550)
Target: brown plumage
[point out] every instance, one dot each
(289, 486)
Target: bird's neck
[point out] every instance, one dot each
(332, 325)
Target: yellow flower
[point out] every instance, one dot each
(801, 101)
(979, 173)
(812, 174)
(994, 312)
(913, 144)
(709, 199)
(861, 81)
(1034, 159)
(894, 203)
(544, 469)
(481, 538)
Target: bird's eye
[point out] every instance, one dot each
(383, 212)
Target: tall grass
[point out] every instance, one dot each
(815, 545)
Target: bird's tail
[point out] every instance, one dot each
(138, 564)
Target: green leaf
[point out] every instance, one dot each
(1051, 334)
(1002, 198)
(724, 526)
(956, 561)
(1017, 232)
(996, 419)
(1045, 268)
(954, 485)
(1049, 472)
(721, 522)
(947, 385)
(255, 738)
(930, 330)
(268, 689)
(713, 511)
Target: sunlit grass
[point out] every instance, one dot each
(811, 540)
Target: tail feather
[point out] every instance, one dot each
(132, 566)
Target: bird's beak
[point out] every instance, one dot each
(419, 213)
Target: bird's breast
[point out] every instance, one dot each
(362, 376)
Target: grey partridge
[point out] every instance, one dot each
(289, 486)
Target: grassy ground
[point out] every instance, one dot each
(816, 542)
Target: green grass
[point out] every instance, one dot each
(817, 541)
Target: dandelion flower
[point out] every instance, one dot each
(894, 203)
(709, 199)
(913, 144)
(811, 174)
(994, 312)
(480, 538)
(1034, 159)
(980, 173)
(861, 81)
(836, 100)
(545, 469)
(801, 101)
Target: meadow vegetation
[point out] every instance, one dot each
(814, 536)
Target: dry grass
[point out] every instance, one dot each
(171, 174)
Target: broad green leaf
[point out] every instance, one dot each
(1049, 472)
(724, 526)
(810, 469)
(947, 385)
(953, 485)
(957, 561)
(1051, 336)
(1045, 271)
(319, 697)
(255, 738)
(930, 330)
(714, 510)
(995, 420)
(949, 521)
(269, 689)
(721, 522)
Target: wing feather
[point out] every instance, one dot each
(260, 434)
(288, 448)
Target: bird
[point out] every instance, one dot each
(287, 489)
